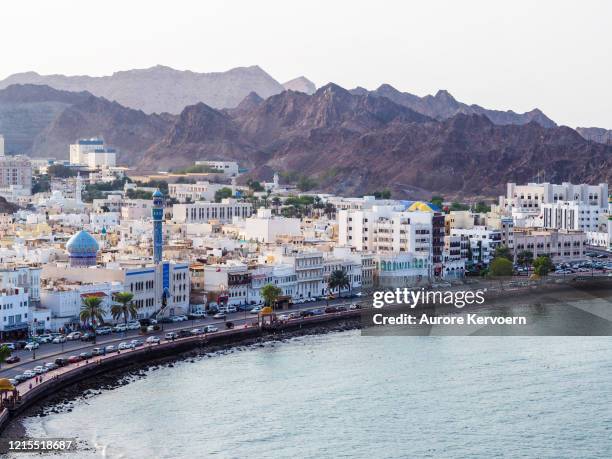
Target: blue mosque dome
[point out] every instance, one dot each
(158, 194)
(82, 248)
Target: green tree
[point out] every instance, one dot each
(61, 171)
(92, 311)
(455, 206)
(384, 194)
(504, 252)
(524, 258)
(124, 307)
(255, 186)
(270, 294)
(306, 183)
(5, 353)
(338, 279)
(482, 208)
(223, 193)
(543, 265)
(500, 267)
(437, 201)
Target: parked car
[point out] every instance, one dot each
(355, 306)
(124, 345)
(210, 329)
(51, 365)
(170, 336)
(20, 344)
(29, 374)
(255, 310)
(31, 346)
(44, 338)
(231, 309)
(59, 339)
(89, 336)
(283, 317)
(74, 359)
(137, 342)
(13, 381)
(219, 315)
(13, 359)
(331, 309)
(165, 320)
(153, 339)
(98, 351)
(196, 331)
(39, 370)
(120, 328)
(21, 377)
(110, 348)
(340, 308)
(86, 355)
(104, 330)
(196, 315)
(61, 361)
(184, 333)
(133, 325)
(294, 315)
(317, 312)
(11, 346)
(306, 314)
(74, 336)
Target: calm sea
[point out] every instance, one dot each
(344, 395)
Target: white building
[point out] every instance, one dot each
(229, 168)
(16, 174)
(203, 211)
(191, 192)
(92, 153)
(571, 215)
(266, 228)
(483, 242)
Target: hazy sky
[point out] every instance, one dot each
(555, 55)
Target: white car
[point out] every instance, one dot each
(39, 370)
(119, 328)
(255, 310)
(74, 336)
(197, 331)
(123, 345)
(110, 348)
(31, 346)
(153, 339)
(133, 325)
(51, 365)
(29, 374)
(59, 339)
(44, 338)
(231, 309)
(210, 329)
(170, 336)
(283, 317)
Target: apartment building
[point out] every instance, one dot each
(191, 192)
(530, 197)
(561, 245)
(16, 173)
(571, 215)
(204, 212)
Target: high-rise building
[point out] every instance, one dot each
(157, 214)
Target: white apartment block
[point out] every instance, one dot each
(402, 269)
(14, 307)
(92, 153)
(229, 168)
(16, 173)
(530, 197)
(384, 229)
(264, 227)
(350, 267)
(571, 215)
(204, 212)
(199, 191)
(560, 245)
(483, 242)
(136, 209)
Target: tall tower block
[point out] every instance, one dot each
(157, 213)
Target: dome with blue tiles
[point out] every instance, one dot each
(82, 248)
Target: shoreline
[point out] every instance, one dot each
(62, 399)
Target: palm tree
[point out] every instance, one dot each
(124, 307)
(92, 310)
(337, 279)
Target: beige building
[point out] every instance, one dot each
(560, 245)
(16, 172)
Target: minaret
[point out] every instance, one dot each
(157, 214)
(275, 180)
(78, 188)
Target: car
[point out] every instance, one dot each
(110, 348)
(294, 315)
(317, 312)
(59, 339)
(39, 370)
(283, 317)
(124, 345)
(231, 309)
(170, 336)
(219, 315)
(196, 331)
(31, 346)
(74, 359)
(89, 336)
(119, 328)
(51, 365)
(183, 317)
(11, 346)
(44, 338)
(196, 315)
(133, 326)
(210, 329)
(29, 373)
(359, 294)
(153, 339)
(21, 344)
(13, 381)
(21, 378)
(355, 306)
(306, 313)
(86, 355)
(184, 333)
(165, 320)
(13, 359)
(104, 331)
(136, 343)
(74, 336)
(331, 309)
(340, 308)
(61, 361)
(98, 351)
(255, 310)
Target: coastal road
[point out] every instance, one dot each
(49, 352)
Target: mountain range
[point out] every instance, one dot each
(345, 141)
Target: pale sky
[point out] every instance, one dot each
(555, 55)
